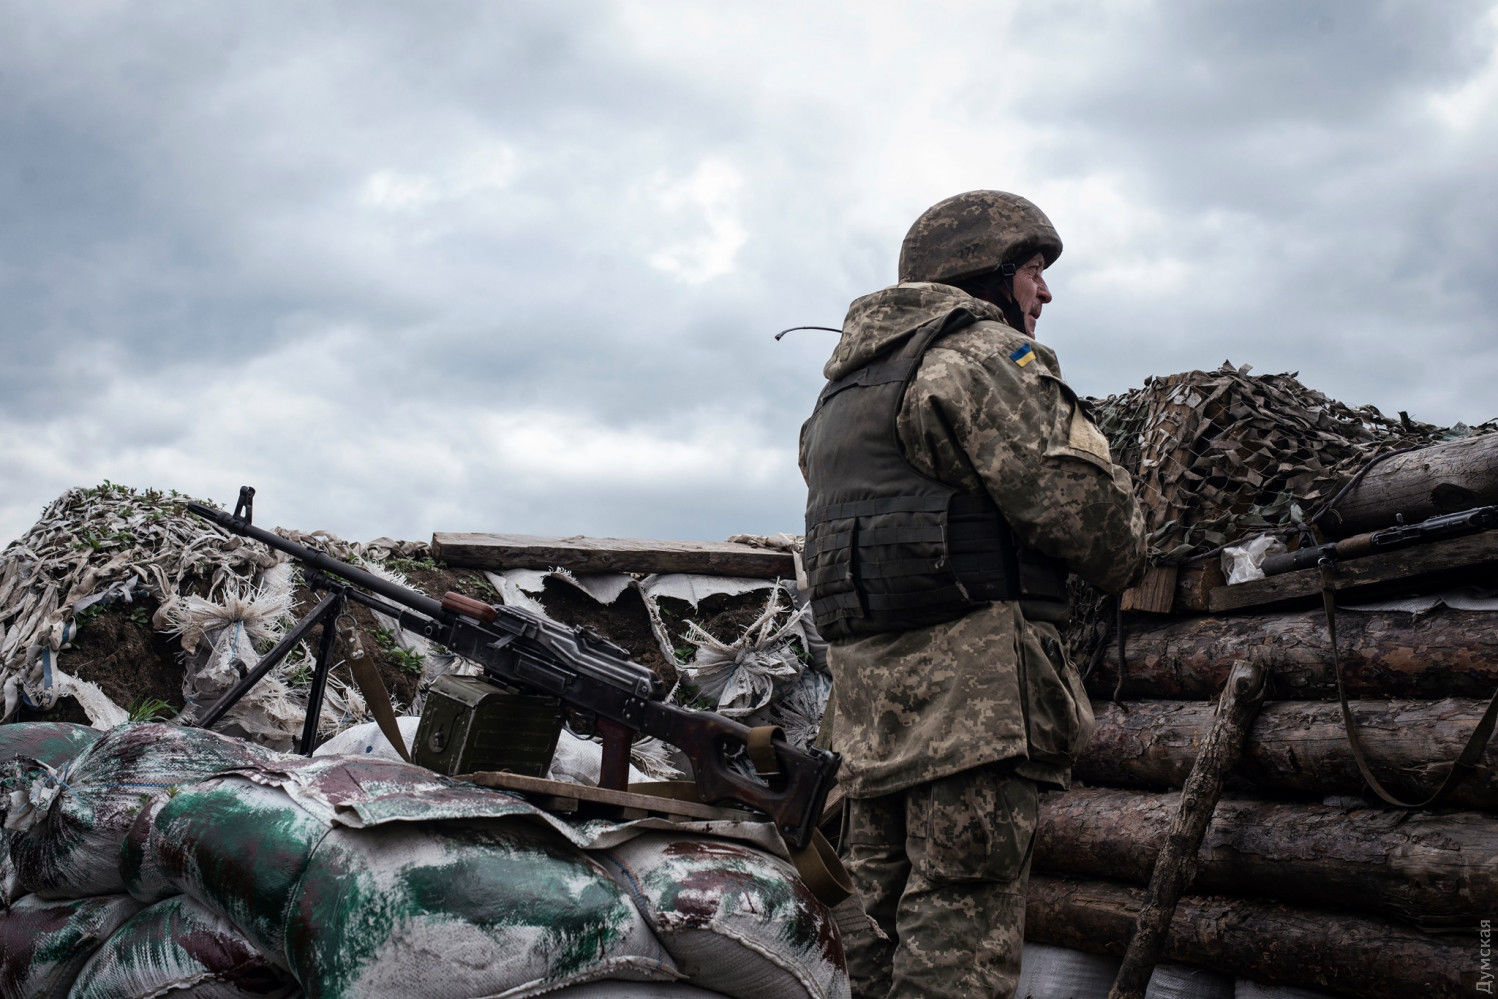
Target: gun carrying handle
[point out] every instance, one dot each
(477, 609)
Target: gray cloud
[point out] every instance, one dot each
(516, 267)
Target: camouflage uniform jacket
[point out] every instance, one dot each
(914, 706)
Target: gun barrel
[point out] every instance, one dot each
(416, 601)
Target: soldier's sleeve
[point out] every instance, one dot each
(972, 417)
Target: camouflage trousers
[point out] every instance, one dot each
(941, 868)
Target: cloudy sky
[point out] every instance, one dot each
(516, 266)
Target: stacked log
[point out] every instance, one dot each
(1304, 878)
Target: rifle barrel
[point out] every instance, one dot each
(359, 577)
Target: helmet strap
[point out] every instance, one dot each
(1010, 305)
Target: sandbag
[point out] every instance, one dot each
(50, 748)
(634, 990)
(68, 832)
(176, 947)
(736, 920)
(437, 911)
(44, 943)
(1048, 972)
(1245, 989)
(233, 846)
(373, 877)
(1180, 981)
(53, 743)
(366, 739)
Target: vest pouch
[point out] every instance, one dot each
(828, 558)
(907, 576)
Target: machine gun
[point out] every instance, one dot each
(1446, 525)
(594, 679)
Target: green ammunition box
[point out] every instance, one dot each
(471, 723)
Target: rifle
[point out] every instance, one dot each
(603, 689)
(1446, 525)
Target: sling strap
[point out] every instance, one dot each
(1465, 762)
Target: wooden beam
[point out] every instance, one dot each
(1430, 869)
(639, 800)
(580, 554)
(1195, 583)
(1420, 561)
(1337, 952)
(1444, 478)
(1446, 653)
(1296, 747)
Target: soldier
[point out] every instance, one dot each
(953, 481)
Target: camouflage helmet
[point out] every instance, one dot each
(974, 232)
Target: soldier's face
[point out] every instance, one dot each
(1030, 291)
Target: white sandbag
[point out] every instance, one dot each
(1181, 981)
(735, 919)
(366, 739)
(578, 761)
(1245, 989)
(1048, 972)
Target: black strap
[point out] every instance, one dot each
(1460, 767)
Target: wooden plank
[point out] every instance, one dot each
(580, 554)
(1155, 592)
(605, 796)
(1195, 583)
(1405, 563)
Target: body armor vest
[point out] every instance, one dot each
(888, 548)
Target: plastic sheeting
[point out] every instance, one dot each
(1179, 981)
(1048, 972)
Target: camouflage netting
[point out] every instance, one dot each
(224, 601)
(119, 604)
(1220, 455)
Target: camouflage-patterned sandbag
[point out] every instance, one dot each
(633, 990)
(53, 743)
(235, 847)
(504, 908)
(177, 947)
(43, 752)
(399, 909)
(377, 878)
(68, 831)
(736, 919)
(43, 944)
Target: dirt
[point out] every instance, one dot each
(115, 648)
(623, 622)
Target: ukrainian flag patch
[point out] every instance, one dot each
(1023, 356)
